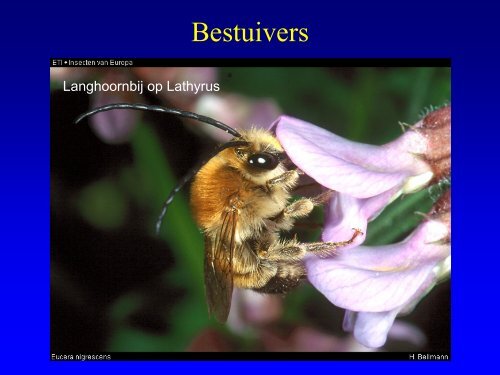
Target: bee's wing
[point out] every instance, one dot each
(218, 267)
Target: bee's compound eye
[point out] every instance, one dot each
(263, 161)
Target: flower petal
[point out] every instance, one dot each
(380, 278)
(349, 320)
(371, 328)
(342, 214)
(422, 246)
(345, 212)
(358, 169)
(364, 289)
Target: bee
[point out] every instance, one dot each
(241, 200)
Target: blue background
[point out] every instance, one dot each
(355, 29)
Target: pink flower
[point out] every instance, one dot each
(365, 177)
(375, 284)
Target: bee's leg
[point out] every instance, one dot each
(266, 260)
(279, 268)
(296, 210)
(286, 259)
(327, 248)
(299, 209)
(294, 251)
(286, 180)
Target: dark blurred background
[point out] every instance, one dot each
(116, 286)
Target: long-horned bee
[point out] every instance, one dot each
(240, 198)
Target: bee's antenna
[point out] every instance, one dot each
(157, 108)
(171, 196)
(189, 176)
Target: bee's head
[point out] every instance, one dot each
(260, 159)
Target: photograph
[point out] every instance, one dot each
(259, 206)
